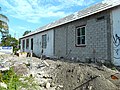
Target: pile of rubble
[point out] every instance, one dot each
(64, 75)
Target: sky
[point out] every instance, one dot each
(29, 15)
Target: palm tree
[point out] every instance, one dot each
(3, 25)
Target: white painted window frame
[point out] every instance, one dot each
(44, 42)
(76, 43)
(27, 43)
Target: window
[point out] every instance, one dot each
(27, 43)
(80, 36)
(44, 41)
(23, 45)
(32, 44)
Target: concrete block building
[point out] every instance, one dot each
(92, 33)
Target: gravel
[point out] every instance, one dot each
(64, 75)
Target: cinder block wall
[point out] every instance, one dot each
(98, 38)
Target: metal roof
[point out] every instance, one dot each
(75, 16)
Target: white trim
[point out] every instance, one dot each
(76, 36)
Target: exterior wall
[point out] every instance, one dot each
(26, 49)
(37, 44)
(116, 35)
(97, 38)
(21, 45)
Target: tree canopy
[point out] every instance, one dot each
(4, 29)
(26, 32)
(7, 39)
(10, 41)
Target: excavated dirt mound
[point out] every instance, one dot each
(77, 76)
(65, 75)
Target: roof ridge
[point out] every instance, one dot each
(75, 16)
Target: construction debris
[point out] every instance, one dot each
(4, 68)
(22, 54)
(47, 85)
(65, 75)
(3, 85)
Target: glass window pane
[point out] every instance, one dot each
(78, 40)
(44, 41)
(23, 45)
(80, 35)
(27, 43)
(83, 40)
(83, 30)
(32, 44)
(78, 32)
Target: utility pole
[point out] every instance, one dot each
(14, 35)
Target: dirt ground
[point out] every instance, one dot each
(65, 75)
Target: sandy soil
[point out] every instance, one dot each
(63, 74)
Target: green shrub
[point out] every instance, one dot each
(14, 83)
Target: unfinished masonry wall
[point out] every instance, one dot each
(97, 38)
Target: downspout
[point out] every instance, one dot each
(109, 37)
(66, 40)
(112, 46)
(53, 42)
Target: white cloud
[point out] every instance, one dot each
(76, 2)
(17, 33)
(34, 10)
(113, 2)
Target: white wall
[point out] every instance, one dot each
(37, 43)
(116, 35)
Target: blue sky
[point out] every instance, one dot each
(31, 14)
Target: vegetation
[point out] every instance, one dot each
(16, 82)
(4, 29)
(26, 32)
(6, 39)
(10, 41)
